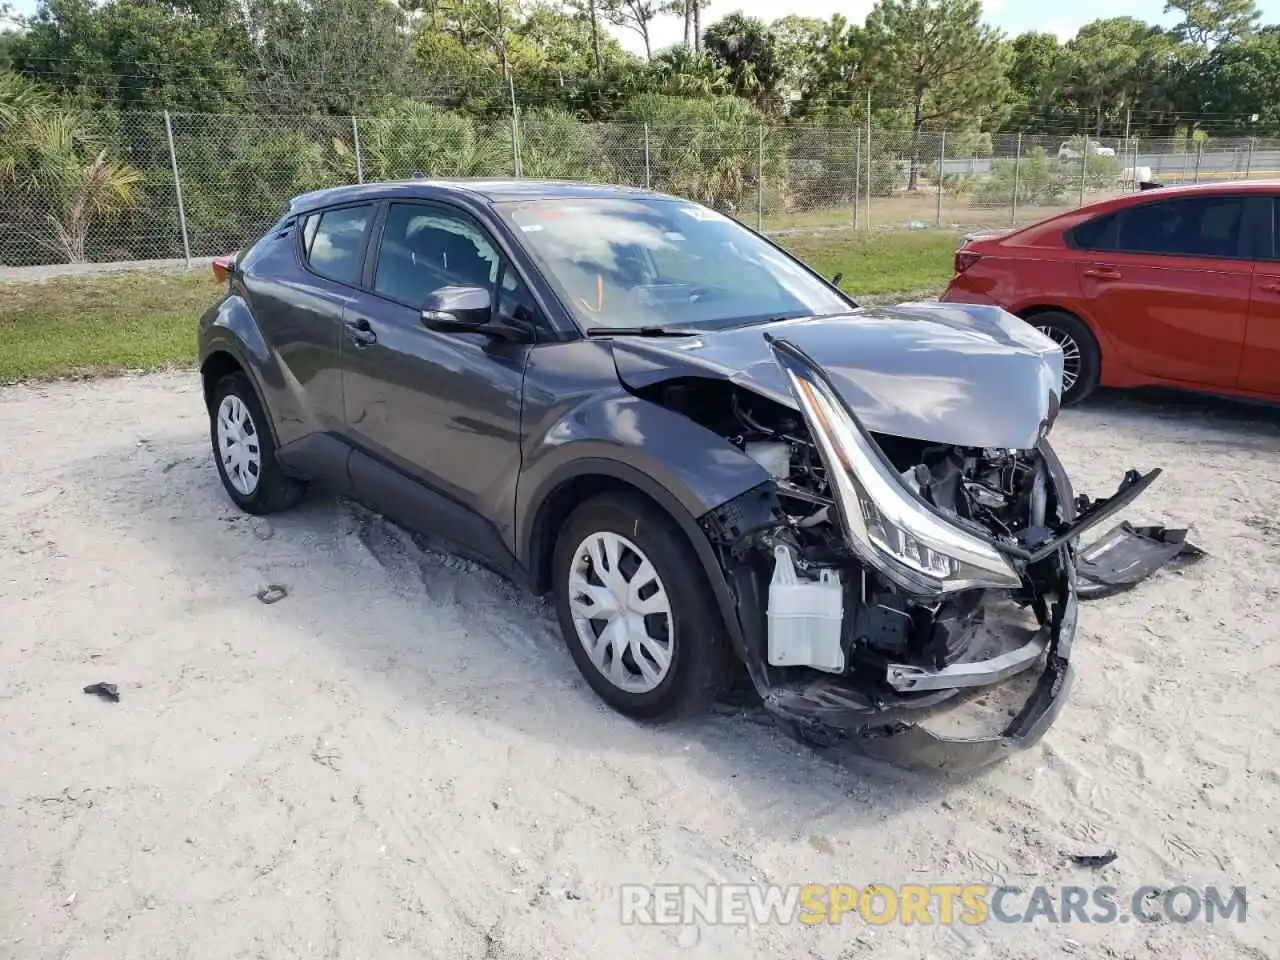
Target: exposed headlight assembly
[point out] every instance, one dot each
(886, 525)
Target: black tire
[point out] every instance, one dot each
(1064, 328)
(275, 490)
(700, 664)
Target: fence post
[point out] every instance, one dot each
(942, 172)
(515, 127)
(868, 159)
(857, 178)
(1248, 166)
(177, 189)
(1186, 160)
(1084, 165)
(355, 139)
(760, 181)
(1017, 169)
(648, 173)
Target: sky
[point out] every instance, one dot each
(1012, 16)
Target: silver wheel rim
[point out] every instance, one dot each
(621, 612)
(1071, 359)
(238, 445)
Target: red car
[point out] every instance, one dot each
(1175, 287)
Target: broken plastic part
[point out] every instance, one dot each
(805, 617)
(1126, 555)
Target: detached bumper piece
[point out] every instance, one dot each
(1126, 555)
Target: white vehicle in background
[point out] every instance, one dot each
(1070, 150)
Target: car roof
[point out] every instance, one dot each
(493, 190)
(1197, 189)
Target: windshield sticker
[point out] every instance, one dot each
(702, 213)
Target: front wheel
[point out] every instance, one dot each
(1081, 359)
(636, 611)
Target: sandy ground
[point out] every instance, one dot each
(399, 759)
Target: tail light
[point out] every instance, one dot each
(223, 267)
(966, 259)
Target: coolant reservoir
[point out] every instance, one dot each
(805, 617)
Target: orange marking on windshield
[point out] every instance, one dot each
(599, 296)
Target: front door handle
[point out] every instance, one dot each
(1103, 273)
(361, 332)
(1270, 288)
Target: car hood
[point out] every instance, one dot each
(958, 374)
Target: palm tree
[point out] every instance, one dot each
(18, 97)
(63, 180)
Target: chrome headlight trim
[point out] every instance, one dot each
(887, 525)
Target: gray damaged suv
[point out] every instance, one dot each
(713, 461)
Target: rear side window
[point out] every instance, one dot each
(1194, 227)
(1096, 234)
(332, 241)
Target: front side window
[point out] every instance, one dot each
(332, 241)
(654, 262)
(425, 248)
(1192, 227)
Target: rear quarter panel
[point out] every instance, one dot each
(1030, 271)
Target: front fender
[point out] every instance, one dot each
(684, 467)
(635, 440)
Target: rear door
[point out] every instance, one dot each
(1260, 363)
(297, 283)
(1172, 285)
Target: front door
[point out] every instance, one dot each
(1174, 293)
(442, 408)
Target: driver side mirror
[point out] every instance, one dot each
(458, 308)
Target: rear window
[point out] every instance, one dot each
(332, 241)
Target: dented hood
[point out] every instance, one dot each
(957, 374)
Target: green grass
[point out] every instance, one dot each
(110, 322)
(101, 324)
(880, 262)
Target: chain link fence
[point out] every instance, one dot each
(85, 188)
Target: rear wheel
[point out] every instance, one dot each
(635, 609)
(244, 451)
(1081, 359)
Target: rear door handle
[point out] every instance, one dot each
(1270, 288)
(1103, 273)
(361, 332)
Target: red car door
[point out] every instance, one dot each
(1260, 362)
(1173, 288)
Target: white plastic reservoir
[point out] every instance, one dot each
(805, 617)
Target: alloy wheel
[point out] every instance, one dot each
(621, 612)
(1071, 357)
(238, 445)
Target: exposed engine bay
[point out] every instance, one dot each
(858, 624)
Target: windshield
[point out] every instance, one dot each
(650, 262)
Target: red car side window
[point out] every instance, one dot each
(1192, 227)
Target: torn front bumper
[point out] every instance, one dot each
(954, 728)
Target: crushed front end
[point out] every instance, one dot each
(916, 601)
